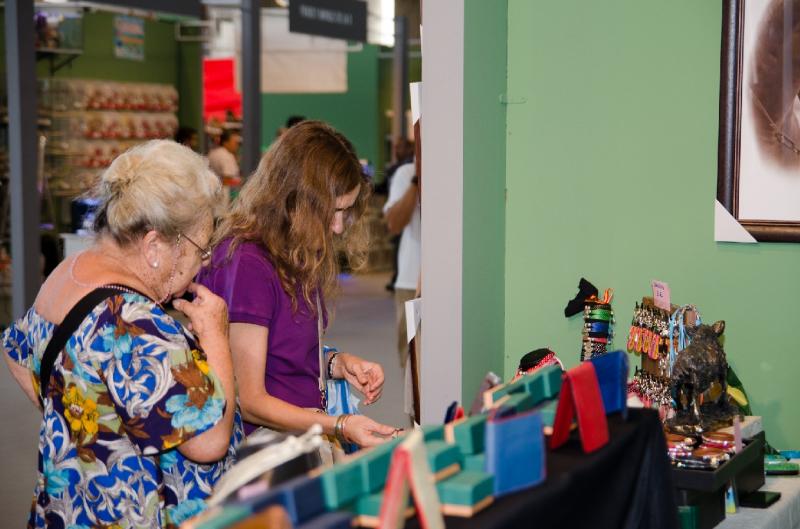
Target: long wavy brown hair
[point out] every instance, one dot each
(288, 206)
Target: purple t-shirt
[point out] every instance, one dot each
(249, 284)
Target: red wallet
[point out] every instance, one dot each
(580, 394)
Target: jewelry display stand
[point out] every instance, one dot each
(700, 494)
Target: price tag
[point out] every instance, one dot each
(661, 295)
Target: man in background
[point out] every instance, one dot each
(403, 217)
(403, 154)
(291, 121)
(187, 136)
(223, 159)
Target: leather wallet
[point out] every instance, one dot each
(515, 452)
(612, 377)
(580, 394)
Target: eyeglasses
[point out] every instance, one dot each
(205, 254)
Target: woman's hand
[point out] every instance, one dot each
(365, 432)
(207, 313)
(366, 377)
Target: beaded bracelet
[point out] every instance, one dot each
(330, 363)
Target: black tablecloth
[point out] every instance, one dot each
(626, 484)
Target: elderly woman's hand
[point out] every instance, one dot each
(207, 313)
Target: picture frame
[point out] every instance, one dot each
(758, 180)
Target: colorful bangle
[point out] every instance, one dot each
(596, 327)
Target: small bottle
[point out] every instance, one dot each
(730, 500)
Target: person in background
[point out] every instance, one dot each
(291, 121)
(402, 213)
(223, 159)
(137, 418)
(187, 136)
(403, 154)
(276, 267)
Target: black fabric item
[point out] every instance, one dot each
(530, 360)
(576, 304)
(627, 484)
(67, 328)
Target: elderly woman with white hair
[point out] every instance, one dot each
(139, 414)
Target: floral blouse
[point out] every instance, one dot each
(129, 388)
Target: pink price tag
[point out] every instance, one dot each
(661, 295)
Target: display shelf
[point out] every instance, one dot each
(51, 54)
(94, 121)
(710, 481)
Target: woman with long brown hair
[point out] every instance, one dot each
(276, 265)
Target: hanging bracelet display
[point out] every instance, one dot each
(598, 324)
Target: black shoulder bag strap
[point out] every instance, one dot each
(61, 336)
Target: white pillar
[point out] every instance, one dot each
(442, 117)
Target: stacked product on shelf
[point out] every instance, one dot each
(598, 326)
(94, 121)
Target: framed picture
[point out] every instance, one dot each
(759, 111)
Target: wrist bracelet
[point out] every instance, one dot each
(330, 363)
(337, 429)
(344, 423)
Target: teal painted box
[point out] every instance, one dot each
(468, 434)
(475, 462)
(374, 465)
(521, 402)
(552, 381)
(341, 484)
(543, 384)
(548, 412)
(433, 432)
(442, 455)
(465, 488)
(368, 505)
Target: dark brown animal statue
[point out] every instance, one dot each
(696, 369)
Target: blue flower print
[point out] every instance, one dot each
(189, 417)
(120, 346)
(185, 510)
(168, 459)
(56, 479)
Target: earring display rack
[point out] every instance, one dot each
(649, 365)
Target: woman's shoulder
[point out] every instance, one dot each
(246, 252)
(131, 312)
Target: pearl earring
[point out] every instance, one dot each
(154, 265)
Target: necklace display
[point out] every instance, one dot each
(121, 288)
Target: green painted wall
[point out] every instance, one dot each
(485, 46)
(166, 61)
(98, 61)
(354, 113)
(611, 175)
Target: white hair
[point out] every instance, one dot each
(159, 185)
